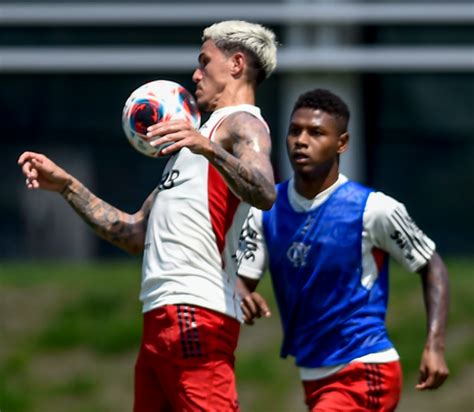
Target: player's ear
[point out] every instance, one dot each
(237, 63)
(343, 142)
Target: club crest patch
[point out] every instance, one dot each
(297, 254)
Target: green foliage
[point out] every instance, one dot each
(70, 333)
(12, 395)
(115, 324)
(406, 319)
(77, 386)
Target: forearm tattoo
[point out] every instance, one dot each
(250, 185)
(248, 170)
(113, 225)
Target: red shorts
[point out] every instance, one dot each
(357, 387)
(186, 361)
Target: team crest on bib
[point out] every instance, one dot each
(297, 254)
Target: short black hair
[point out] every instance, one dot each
(327, 101)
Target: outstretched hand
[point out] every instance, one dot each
(42, 173)
(254, 306)
(433, 370)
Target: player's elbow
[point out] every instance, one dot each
(135, 250)
(267, 200)
(135, 245)
(266, 205)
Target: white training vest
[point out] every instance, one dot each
(193, 231)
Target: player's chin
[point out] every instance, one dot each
(301, 167)
(203, 107)
(202, 103)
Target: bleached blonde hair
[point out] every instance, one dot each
(257, 41)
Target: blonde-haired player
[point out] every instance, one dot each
(188, 228)
(256, 41)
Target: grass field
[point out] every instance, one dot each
(69, 334)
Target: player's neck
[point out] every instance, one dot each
(244, 94)
(310, 186)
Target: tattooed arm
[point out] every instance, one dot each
(243, 159)
(127, 231)
(124, 230)
(240, 152)
(433, 368)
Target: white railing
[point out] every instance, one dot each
(116, 59)
(202, 13)
(184, 59)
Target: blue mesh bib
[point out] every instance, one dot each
(328, 316)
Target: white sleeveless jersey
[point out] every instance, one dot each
(193, 231)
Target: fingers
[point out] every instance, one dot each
(249, 307)
(428, 384)
(424, 381)
(178, 140)
(31, 173)
(169, 138)
(254, 306)
(37, 169)
(248, 317)
(165, 128)
(26, 166)
(262, 305)
(181, 134)
(166, 133)
(26, 156)
(31, 156)
(431, 379)
(172, 146)
(29, 162)
(432, 382)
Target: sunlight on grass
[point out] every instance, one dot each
(81, 326)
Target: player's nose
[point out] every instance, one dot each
(301, 139)
(197, 75)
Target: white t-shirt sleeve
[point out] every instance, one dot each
(252, 249)
(390, 228)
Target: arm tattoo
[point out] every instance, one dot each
(119, 228)
(436, 297)
(247, 170)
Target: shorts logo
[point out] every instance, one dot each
(189, 332)
(297, 254)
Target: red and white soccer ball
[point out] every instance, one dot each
(152, 103)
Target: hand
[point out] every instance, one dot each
(433, 370)
(182, 133)
(42, 173)
(254, 306)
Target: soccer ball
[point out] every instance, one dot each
(152, 103)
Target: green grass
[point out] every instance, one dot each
(70, 333)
